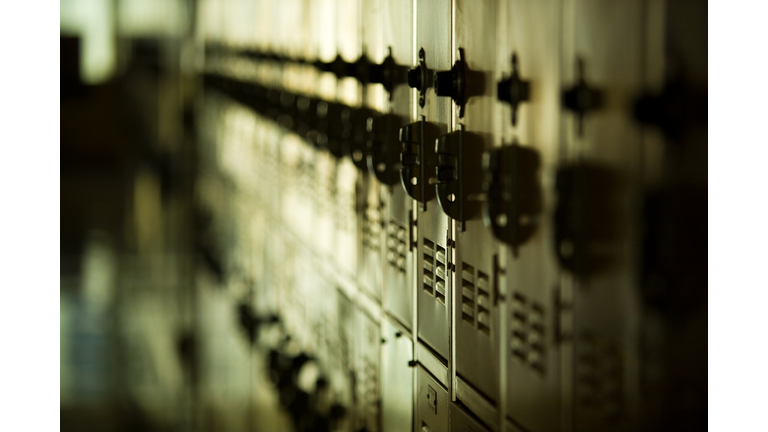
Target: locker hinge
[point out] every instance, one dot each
(497, 272)
(412, 239)
(561, 306)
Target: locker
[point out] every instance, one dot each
(367, 372)
(476, 311)
(342, 382)
(370, 201)
(396, 378)
(433, 38)
(603, 143)
(398, 269)
(532, 42)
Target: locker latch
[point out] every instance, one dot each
(581, 98)
(417, 159)
(513, 90)
(457, 153)
(384, 148)
(355, 136)
(432, 399)
(337, 126)
(587, 217)
(514, 198)
(450, 191)
(674, 249)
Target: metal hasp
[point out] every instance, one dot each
(450, 189)
(417, 159)
(513, 193)
(581, 98)
(513, 90)
(587, 217)
(675, 249)
(333, 124)
(354, 140)
(457, 153)
(418, 77)
(451, 83)
(384, 148)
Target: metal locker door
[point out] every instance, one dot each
(432, 404)
(370, 215)
(433, 38)
(675, 170)
(531, 129)
(476, 314)
(342, 380)
(398, 268)
(368, 348)
(324, 38)
(461, 421)
(396, 378)
(597, 197)
(348, 177)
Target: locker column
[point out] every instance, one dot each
(433, 249)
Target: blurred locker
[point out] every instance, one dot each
(597, 196)
(396, 378)
(531, 122)
(399, 236)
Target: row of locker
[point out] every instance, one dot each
(491, 332)
(509, 189)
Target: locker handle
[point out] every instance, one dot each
(459, 157)
(451, 83)
(384, 148)
(417, 158)
(513, 90)
(514, 198)
(581, 98)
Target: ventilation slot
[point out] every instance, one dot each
(344, 351)
(599, 371)
(369, 385)
(396, 246)
(371, 229)
(440, 274)
(483, 303)
(468, 294)
(475, 298)
(527, 333)
(429, 267)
